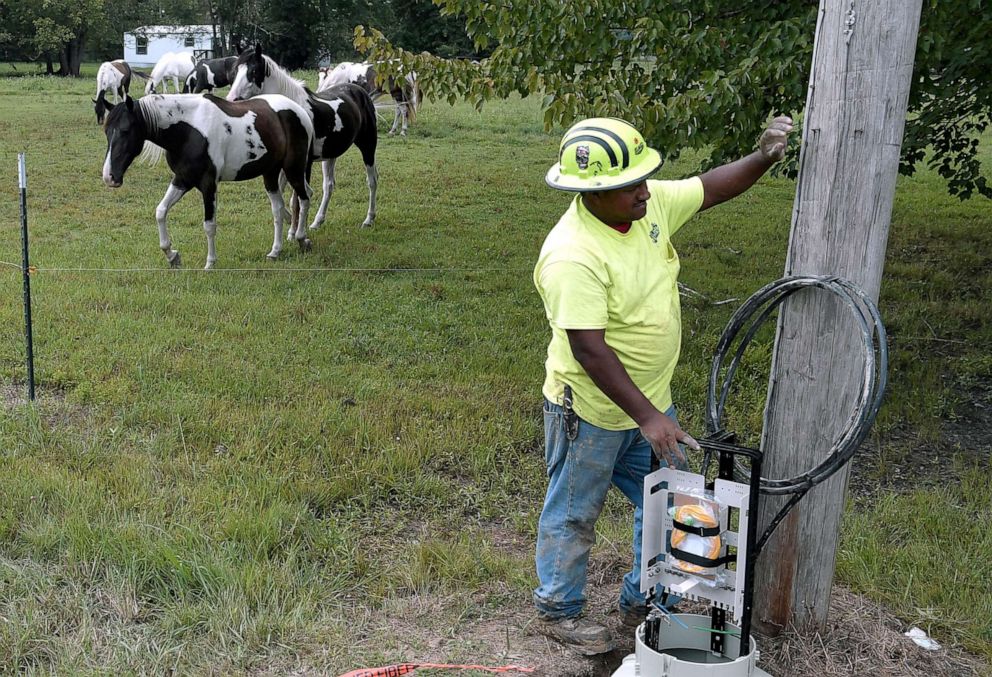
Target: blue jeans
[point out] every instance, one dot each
(580, 472)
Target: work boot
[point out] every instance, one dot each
(633, 616)
(581, 634)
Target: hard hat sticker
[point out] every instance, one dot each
(638, 146)
(582, 157)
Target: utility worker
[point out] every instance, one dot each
(607, 274)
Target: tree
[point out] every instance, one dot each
(63, 29)
(417, 25)
(704, 74)
(55, 29)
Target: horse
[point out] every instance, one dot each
(209, 74)
(208, 140)
(342, 116)
(405, 93)
(115, 76)
(175, 65)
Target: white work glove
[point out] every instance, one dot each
(773, 140)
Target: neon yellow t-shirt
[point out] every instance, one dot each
(591, 276)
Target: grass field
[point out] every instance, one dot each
(236, 470)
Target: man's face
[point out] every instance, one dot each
(622, 205)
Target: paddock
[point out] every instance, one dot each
(243, 467)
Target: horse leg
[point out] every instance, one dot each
(300, 214)
(372, 177)
(172, 196)
(367, 142)
(294, 216)
(274, 191)
(301, 198)
(209, 223)
(328, 167)
(396, 118)
(282, 191)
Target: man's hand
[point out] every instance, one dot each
(664, 436)
(774, 138)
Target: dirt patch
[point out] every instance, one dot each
(862, 638)
(902, 461)
(51, 405)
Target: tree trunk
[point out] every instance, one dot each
(852, 132)
(75, 53)
(64, 61)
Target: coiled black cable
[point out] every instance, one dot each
(874, 379)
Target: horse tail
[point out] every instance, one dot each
(140, 74)
(413, 96)
(369, 106)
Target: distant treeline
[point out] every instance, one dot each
(297, 33)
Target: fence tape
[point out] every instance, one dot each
(407, 668)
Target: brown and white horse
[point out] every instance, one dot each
(342, 116)
(405, 93)
(207, 140)
(114, 76)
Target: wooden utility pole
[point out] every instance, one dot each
(852, 134)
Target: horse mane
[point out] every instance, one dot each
(151, 153)
(287, 85)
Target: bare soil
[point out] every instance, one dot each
(904, 462)
(862, 639)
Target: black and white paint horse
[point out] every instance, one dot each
(405, 92)
(342, 116)
(174, 65)
(210, 74)
(207, 140)
(114, 76)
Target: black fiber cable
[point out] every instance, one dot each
(874, 379)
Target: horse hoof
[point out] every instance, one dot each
(176, 261)
(315, 225)
(366, 224)
(272, 257)
(306, 245)
(209, 266)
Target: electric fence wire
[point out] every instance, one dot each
(874, 379)
(173, 271)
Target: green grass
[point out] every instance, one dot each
(225, 468)
(925, 554)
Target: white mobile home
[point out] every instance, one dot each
(145, 45)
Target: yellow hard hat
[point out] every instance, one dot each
(602, 154)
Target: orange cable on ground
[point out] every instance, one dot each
(407, 668)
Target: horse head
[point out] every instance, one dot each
(126, 133)
(250, 71)
(100, 107)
